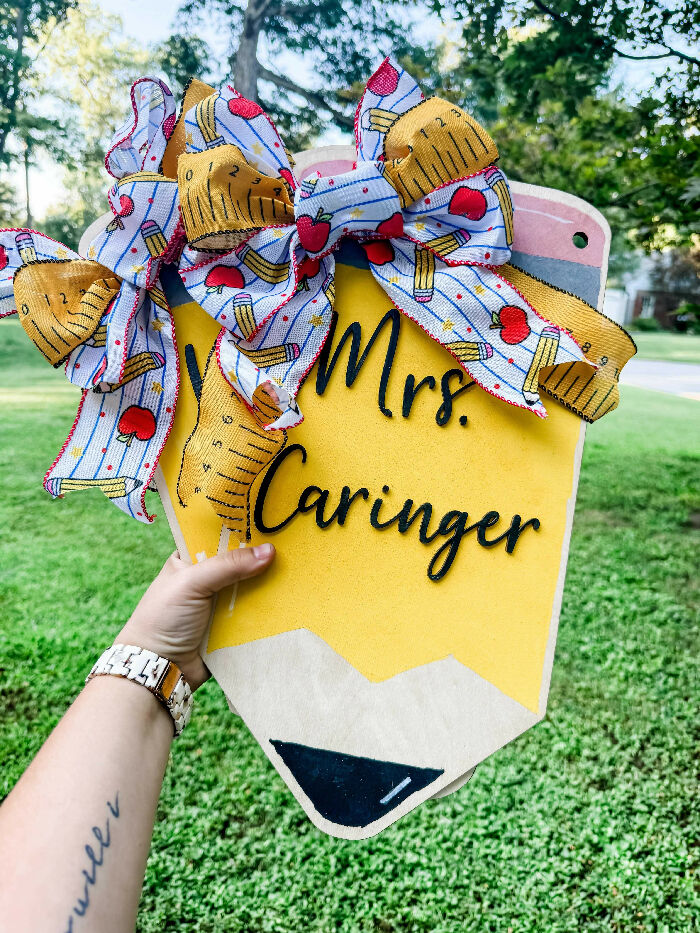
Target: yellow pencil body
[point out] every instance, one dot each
(468, 351)
(545, 355)
(272, 356)
(113, 488)
(205, 117)
(424, 274)
(272, 272)
(380, 120)
(135, 366)
(243, 312)
(448, 243)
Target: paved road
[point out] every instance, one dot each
(673, 378)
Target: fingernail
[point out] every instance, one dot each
(263, 551)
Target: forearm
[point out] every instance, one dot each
(75, 831)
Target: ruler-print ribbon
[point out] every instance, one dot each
(425, 200)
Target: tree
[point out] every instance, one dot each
(87, 67)
(22, 24)
(342, 41)
(182, 57)
(542, 76)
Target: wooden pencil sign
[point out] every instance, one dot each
(381, 359)
(407, 628)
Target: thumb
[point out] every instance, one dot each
(213, 574)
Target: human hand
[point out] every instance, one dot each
(173, 613)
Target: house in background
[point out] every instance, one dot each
(657, 286)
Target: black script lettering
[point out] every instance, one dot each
(448, 396)
(411, 390)
(265, 485)
(354, 331)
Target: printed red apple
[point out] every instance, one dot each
(244, 108)
(136, 422)
(308, 269)
(512, 323)
(314, 231)
(392, 226)
(3, 258)
(384, 81)
(221, 277)
(379, 252)
(126, 207)
(468, 202)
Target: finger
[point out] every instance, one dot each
(172, 565)
(213, 574)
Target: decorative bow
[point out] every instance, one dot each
(433, 213)
(425, 201)
(106, 315)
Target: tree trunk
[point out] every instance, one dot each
(12, 94)
(28, 206)
(244, 63)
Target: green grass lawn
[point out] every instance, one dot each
(587, 822)
(667, 346)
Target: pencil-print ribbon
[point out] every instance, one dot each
(425, 200)
(106, 317)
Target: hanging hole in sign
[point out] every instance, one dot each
(580, 240)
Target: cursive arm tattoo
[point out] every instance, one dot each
(95, 859)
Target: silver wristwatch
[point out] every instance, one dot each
(159, 675)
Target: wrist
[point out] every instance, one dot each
(187, 659)
(152, 672)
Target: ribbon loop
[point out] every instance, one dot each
(433, 144)
(141, 140)
(357, 203)
(61, 303)
(225, 198)
(145, 208)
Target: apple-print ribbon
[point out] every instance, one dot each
(426, 202)
(105, 315)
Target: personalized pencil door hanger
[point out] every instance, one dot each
(382, 359)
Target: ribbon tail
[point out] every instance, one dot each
(121, 428)
(482, 320)
(226, 451)
(590, 393)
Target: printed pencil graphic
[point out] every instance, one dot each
(424, 274)
(272, 272)
(156, 244)
(545, 354)
(205, 116)
(380, 120)
(272, 356)
(113, 488)
(135, 366)
(243, 312)
(449, 242)
(25, 246)
(157, 296)
(99, 337)
(468, 351)
(329, 288)
(498, 184)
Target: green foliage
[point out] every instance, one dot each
(339, 41)
(645, 324)
(181, 57)
(541, 76)
(22, 24)
(587, 822)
